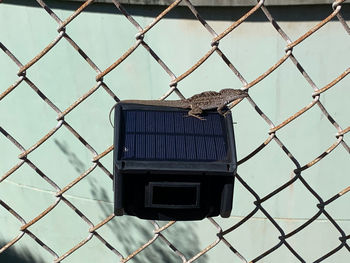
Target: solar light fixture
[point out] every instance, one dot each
(168, 166)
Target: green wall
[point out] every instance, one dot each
(180, 41)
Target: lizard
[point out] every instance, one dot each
(206, 100)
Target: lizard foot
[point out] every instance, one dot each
(196, 116)
(226, 112)
(223, 113)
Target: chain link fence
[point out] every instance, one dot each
(159, 230)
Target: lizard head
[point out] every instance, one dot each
(233, 94)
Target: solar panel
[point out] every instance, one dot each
(172, 136)
(169, 166)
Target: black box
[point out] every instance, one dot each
(169, 166)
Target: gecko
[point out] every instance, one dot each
(206, 100)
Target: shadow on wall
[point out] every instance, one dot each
(73, 159)
(132, 233)
(229, 13)
(12, 256)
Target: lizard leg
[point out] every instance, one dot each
(227, 112)
(223, 113)
(195, 112)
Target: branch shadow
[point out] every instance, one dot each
(10, 255)
(132, 233)
(73, 159)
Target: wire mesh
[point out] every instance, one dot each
(214, 50)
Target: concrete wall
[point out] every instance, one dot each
(180, 40)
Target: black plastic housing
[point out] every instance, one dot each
(168, 166)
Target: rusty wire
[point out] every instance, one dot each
(271, 133)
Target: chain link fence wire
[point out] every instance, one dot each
(159, 231)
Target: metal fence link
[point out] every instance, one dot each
(213, 50)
